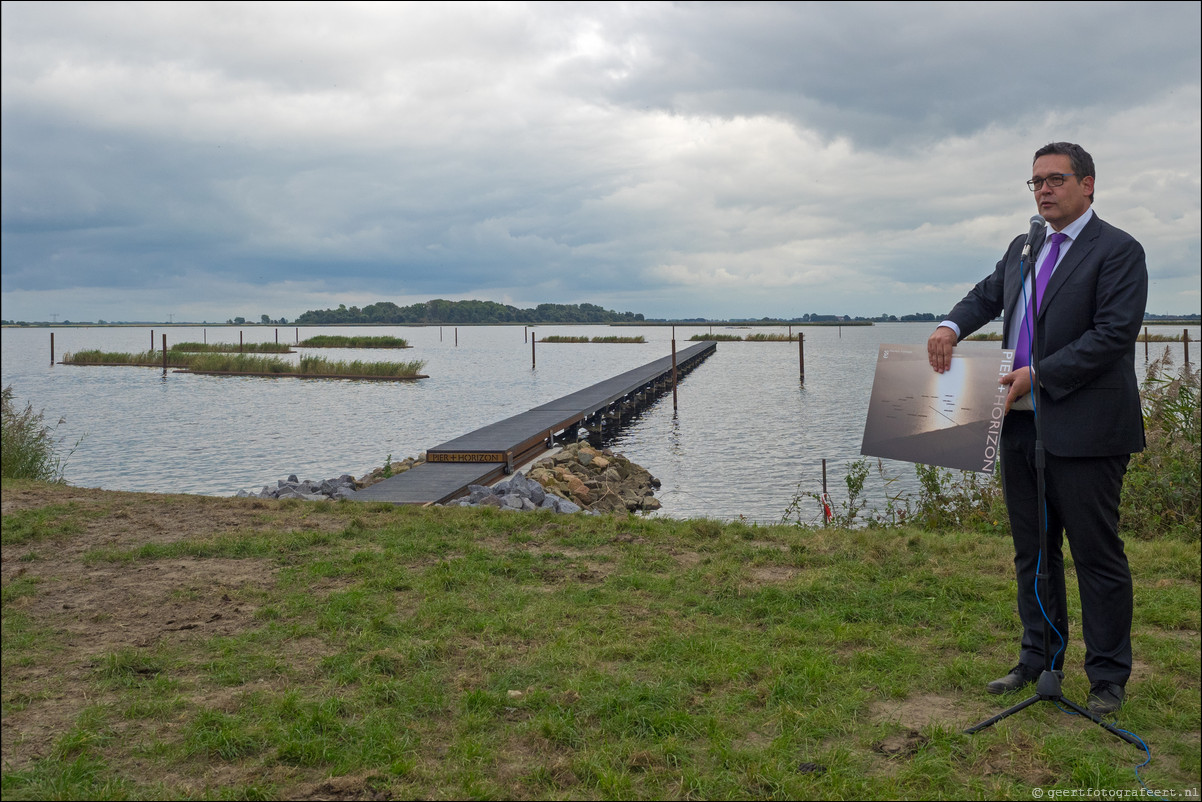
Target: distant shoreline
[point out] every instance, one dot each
(1177, 321)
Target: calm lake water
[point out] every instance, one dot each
(746, 437)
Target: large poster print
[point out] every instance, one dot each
(951, 419)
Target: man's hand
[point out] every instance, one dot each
(939, 348)
(1019, 382)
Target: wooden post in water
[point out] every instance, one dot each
(525, 333)
(825, 520)
(801, 355)
(533, 338)
(277, 336)
(205, 333)
(673, 369)
(456, 336)
(239, 342)
(152, 341)
(51, 348)
(1185, 342)
(1145, 343)
(164, 354)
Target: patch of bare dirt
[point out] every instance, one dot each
(98, 607)
(920, 711)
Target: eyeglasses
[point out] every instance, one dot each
(1054, 180)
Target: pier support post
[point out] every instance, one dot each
(1145, 343)
(801, 355)
(1185, 342)
(673, 369)
(533, 338)
(51, 348)
(164, 355)
(152, 341)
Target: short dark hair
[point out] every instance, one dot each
(1078, 157)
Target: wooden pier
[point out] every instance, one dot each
(487, 454)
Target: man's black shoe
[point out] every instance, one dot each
(1018, 677)
(1105, 697)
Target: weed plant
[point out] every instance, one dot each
(28, 448)
(1162, 488)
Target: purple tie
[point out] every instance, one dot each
(1022, 356)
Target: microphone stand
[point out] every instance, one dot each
(1047, 688)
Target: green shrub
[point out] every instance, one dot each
(28, 444)
(1162, 487)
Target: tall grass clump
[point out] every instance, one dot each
(559, 338)
(238, 363)
(339, 341)
(27, 447)
(149, 359)
(315, 365)
(1162, 487)
(231, 348)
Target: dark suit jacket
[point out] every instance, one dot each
(1087, 324)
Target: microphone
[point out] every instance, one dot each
(1037, 225)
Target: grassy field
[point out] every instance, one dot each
(192, 647)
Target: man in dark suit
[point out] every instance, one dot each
(1087, 318)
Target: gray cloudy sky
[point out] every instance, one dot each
(208, 160)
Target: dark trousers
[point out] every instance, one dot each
(1082, 495)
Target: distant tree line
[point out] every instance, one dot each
(438, 312)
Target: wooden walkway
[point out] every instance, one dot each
(487, 454)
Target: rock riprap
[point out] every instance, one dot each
(597, 479)
(577, 478)
(322, 489)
